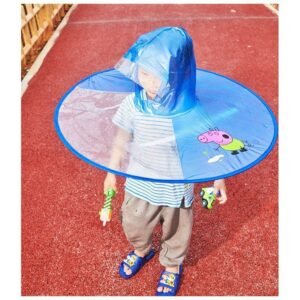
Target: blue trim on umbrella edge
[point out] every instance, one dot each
(263, 156)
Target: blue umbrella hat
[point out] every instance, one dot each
(169, 121)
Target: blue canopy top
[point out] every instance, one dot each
(167, 53)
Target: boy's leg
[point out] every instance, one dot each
(138, 218)
(177, 230)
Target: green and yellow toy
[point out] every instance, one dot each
(106, 212)
(208, 197)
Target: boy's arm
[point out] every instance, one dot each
(119, 147)
(220, 187)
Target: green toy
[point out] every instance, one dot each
(106, 211)
(208, 197)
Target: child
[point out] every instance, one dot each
(162, 65)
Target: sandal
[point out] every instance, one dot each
(169, 280)
(134, 263)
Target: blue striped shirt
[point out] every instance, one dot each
(153, 154)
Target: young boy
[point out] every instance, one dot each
(162, 65)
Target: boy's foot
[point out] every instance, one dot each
(133, 263)
(169, 281)
(127, 270)
(172, 270)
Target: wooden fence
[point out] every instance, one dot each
(276, 6)
(38, 23)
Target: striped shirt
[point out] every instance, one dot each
(153, 154)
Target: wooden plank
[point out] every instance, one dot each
(33, 27)
(23, 14)
(28, 8)
(40, 20)
(26, 35)
(49, 10)
(43, 16)
(26, 49)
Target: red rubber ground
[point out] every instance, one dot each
(65, 250)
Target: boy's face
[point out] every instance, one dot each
(150, 83)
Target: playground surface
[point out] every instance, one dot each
(65, 249)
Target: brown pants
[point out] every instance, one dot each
(139, 218)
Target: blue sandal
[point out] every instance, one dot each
(134, 263)
(169, 280)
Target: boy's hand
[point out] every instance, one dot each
(220, 188)
(110, 182)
